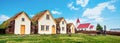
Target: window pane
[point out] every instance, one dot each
(47, 17)
(47, 28)
(42, 27)
(23, 19)
(62, 28)
(62, 22)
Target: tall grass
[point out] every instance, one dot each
(59, 38)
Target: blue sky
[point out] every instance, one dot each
(105, 12)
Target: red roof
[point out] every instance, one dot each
(91, 26)
(78, 21)
(85, 25)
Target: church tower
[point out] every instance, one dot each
(77, 22)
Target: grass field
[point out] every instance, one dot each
(59, 38)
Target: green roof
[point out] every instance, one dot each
(4, 24)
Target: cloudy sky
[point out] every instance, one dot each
(105, 12)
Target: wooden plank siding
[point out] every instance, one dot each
(10, 28)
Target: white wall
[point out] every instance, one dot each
(72, 29)
(43, 21)
(19, 22)
(63, 25)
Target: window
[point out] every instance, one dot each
(23, 19)
(47, 17)
(9, 26)
(11, 22)
(62, 22)
(62, 28)
(47, 28)
(42, 27)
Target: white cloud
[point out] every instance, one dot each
(56, 12)
(95, 13)
(3, 18)
(111, 7)
(70, 5)
(83, 3)
(99, 19)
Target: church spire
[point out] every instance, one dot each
(78, 21)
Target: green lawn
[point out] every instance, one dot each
(59, 38)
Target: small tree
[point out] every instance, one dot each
(99, 29)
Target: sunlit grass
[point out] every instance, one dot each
(59, 38)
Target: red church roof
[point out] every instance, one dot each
(91, 26)
(85, 25)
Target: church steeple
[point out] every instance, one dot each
(77, 22)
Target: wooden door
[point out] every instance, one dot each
(53, 30)
(22, 29)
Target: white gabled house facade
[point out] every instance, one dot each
(42, 23)
(46, 23)
(61, 25)
(22, 24)
(70, 28)
(19, 24)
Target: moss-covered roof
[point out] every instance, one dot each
(35, 18)
(69, 25)
(6, 23)
(58, 20)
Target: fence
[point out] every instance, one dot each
(95, 32)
